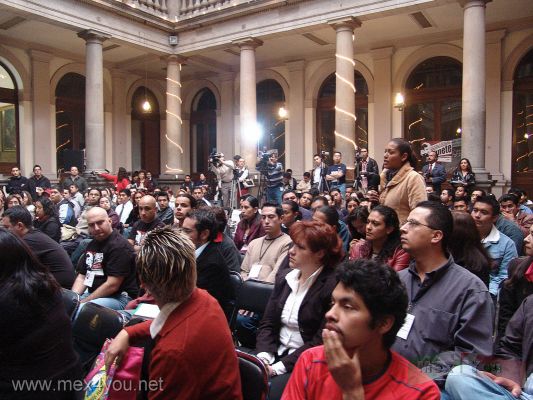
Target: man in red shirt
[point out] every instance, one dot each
(368, 309)
(193, 356)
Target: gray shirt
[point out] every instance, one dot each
(454, 315)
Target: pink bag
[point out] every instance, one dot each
(119, 383)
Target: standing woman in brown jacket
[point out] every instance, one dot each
(402, 187)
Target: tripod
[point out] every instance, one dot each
(323, 182)
(235, 189)
(261, 192)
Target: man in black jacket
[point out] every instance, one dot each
(17, 183)
(367, 171)
(38, 180)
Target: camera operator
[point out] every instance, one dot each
(319, 171)
(224, 171)
(367, 171)
(241, 173)
(336, 175)
(274, 176)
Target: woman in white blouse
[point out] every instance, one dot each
(294, 317)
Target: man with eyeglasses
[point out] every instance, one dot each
(450, 314)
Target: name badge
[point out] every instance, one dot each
(406, 327)
(89, 279)
(254, 271)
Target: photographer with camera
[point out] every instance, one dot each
(241, 174)
(223, 169)
(274, 177)
(319, 171)
(367, 171)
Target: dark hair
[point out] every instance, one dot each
(222, 218)
(491, 201)
(320, 198)
(516, 275)
(358, 213)
(49, 208)
(332, 216)
(192, 200)
(254, 202)
(317, 155)
(440, 218)
(509, 197)
(461, 198)
(468, 169)
(163, 194)
(22, 276)
(307, 174)
(517, 191)
(289, 191)
(287, 175)
(127, 192)
(206, 219)
(390, 217)
(483, 193)
(335, 189)
(278, 208)
(404, 147)
(434, 197)
(122, 174)
(381, 290)
(19, 214)
(293, 205)
(319, 236)
(466, 247)
(36, 166)
(451, 194)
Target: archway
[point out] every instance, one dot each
(145, 132)
(203, 129)
(70, 121)
(9, 132)
(270, 97)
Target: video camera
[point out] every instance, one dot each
(263, 158)
(215, 158)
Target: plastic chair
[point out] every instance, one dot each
(71, 300)
(254, 377)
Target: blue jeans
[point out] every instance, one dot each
(273, 195)
(117, 302)
(465, 382)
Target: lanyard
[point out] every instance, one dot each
(261, 252)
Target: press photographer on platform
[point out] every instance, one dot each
(224, 171)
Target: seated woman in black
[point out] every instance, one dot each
(46, 219)
(294, 317)
(35, 330)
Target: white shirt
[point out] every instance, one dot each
(200, 249)
(493, 236)
(290, 337)
(159, 321)
(316, 174)
(128, 206)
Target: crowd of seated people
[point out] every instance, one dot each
(374, 294)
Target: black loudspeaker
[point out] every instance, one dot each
(71, 158)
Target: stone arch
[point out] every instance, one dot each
(263, 75)
(326, 69)
(191, 89)
(514, 58)
(155, 87)
(416, 57)
(21, 75)
(79, 68)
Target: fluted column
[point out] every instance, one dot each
(248, 101)
(94, 100)
(345, 89)
(474, 76)
(174, 136)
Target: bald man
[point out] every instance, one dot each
(106, 272)
(148, 221)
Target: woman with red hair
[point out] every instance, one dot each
(294, 317)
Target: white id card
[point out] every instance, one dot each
(89, 279)
(406, 327)
(254, 271)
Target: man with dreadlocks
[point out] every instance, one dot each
(193, 355)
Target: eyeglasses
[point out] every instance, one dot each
(414, 223)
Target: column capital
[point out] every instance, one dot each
(90, 35)
(473, 3)
(249, 42)
(345, 23)
(39, 55)
(174, 58)
(384, 52)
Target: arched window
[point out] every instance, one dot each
(9, 136)
(270, 98)
(522, 168)
(325, 113)
(145, 132)
(70, 121)
(433, 107)
(203, 129)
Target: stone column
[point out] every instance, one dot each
(345, 89)
(474, 73)
(226, 129)
(119, 123)
(94, 100)
(294, 135)
(174, 137)
(382, 128)
(248, 101)
(44, 140)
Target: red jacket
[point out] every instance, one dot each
(363, 249)
(193, 356)
(119, 185)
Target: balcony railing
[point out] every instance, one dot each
(176, 10)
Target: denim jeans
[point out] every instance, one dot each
(273, 195)
(117, 302)
(465, 382)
